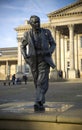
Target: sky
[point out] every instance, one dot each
(13, 13)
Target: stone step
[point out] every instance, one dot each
(57, 116)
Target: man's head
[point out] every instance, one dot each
(35, 22)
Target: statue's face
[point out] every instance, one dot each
(35, 23)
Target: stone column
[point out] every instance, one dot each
(65, 43)
(53, 72)
(76, 56)
(6, 69)
(79, 48)
(19, 55)
(54, 36)
(63, 55)
(76, 51)
(58, 50)
(72, 72)
(71, 37)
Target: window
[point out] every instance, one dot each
(81, 64)
(26, 68)
(68, 47)
(81, 41)
(68, 64)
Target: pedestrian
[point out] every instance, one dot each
(25, 79)
(13, 79)
(60, 74)
(41, 46)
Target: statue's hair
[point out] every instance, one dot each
(33, 16)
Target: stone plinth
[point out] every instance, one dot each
(57, 116)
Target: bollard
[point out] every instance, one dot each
(9, 83)
(4, 83)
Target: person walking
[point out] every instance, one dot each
(13, 79)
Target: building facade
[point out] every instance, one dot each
(66, 27)
(8, 62)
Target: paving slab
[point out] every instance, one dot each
(73, 115)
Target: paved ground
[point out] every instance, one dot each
(57, 92)
(63, 106)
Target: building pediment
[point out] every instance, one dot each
(75, 8)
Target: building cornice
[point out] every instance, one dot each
(8, 58)
(28, 27)
(66, 14)
(63, 10)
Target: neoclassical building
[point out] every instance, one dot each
(66, 27)
(8, 62)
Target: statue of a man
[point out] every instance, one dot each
(41, 46)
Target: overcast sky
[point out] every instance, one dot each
(14, 12)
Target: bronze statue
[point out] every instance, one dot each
(41, 46)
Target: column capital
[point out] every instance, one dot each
(19, 39)
(57, 31)
(71, 26)
(53, 27)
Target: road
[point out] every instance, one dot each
(57, 92)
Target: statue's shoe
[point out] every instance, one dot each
(38, 108)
